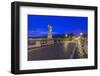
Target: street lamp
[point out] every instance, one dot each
(81, 34)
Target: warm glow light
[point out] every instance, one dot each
(65, 46)
(77, 38)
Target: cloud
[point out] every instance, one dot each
(37, 33)
(40, 33)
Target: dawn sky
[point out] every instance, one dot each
(38, 24)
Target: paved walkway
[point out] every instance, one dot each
(55, 51)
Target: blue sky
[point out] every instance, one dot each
(38, 24)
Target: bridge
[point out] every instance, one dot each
(61, 49)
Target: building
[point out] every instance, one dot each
(49, 31)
